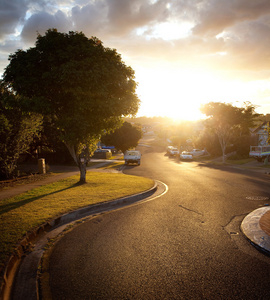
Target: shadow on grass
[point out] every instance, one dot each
(10, 206)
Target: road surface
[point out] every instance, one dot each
(184, 245)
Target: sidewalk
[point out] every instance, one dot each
(256, 227)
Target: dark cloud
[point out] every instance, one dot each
(248, 44)
(128, 15)
(117, 17)
(41, 22)
(12, 14)
(215, 16)
(243, 25)
(90, 18)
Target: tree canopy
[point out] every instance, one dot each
(123, 138)
(229, 121)
(17, 131)
(83, 86)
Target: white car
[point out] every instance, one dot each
(132, 157)
(169, 148)
(197, 152)
(173, 151)
(186, 155)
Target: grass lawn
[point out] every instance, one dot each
(113, 165)
(239, 161)
(27, 211)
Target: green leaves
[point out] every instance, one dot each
(123, 138)
(82, 86)
(17, 131)
(229, 122)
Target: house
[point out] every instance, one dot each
(260, 140)
(260, 135)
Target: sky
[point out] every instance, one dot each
(184, 52)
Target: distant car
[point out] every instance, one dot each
(173, 151)
(186, 155)
(102, 153)
(111, 148)
(197, 152)
(169, 148)
(102, 150)
(132, 157)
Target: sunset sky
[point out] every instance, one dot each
(184, 52)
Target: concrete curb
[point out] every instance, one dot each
(251, 229)
(24, 250)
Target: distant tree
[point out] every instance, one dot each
(248, 118)
(123, 138)
(268, 130)
(208, 139)
(82, 86)
(181, 135)
(265, 118)
(229, 121)
(17, 131)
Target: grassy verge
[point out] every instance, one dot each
(112, 165)
(118, 157)
(22, 213)
(239, 161)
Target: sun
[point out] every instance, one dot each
(179, 93)
(175, 94)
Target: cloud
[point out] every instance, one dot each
(215, 16)
(225, 35)
(117, 17)
(12, 13)
(128, 15)
(90, 18)
(41, 22)
(249, 43)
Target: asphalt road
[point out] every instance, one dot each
(186, 244)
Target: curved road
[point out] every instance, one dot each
(184, 245)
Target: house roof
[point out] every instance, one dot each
(256, 130)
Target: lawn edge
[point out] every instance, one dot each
(25, 245)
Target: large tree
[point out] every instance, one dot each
(229, 121)
(17, 131)
(84, 87)
(123, 138)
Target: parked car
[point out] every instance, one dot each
(169, 148)
(186, 155)
(197, 152)
(111, 148)
(132, 157)
(173, 151)
(102, 150)
(102, 153)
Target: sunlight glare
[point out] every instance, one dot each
(172, 30)
(167, 30)
(178, 94)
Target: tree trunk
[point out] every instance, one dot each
(224, 156)
(80, 160)
(223, 145)
(82, 167)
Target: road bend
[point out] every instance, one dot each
(186, 244)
